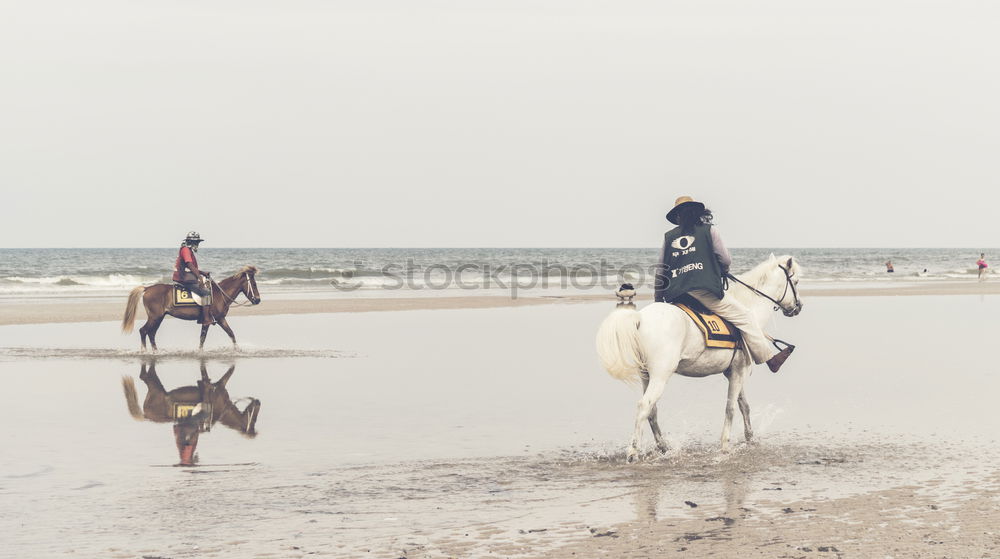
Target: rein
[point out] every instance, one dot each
(232, 300)
(795, 295)
(777, 304)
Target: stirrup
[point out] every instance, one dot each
(776, 341)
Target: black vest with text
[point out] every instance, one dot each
(689, 263)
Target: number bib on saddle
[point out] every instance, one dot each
(184, 297)
(718, 333)
(183, 410)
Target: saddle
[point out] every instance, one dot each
(718, 332)
(185, 297)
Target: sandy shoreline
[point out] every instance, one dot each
(58, 311)
(498, 435)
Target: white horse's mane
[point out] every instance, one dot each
(757, 275)
(758, 271)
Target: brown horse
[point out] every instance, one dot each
(159, 302)
(193, 409)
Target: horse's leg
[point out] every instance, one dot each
(204, 333)
(151, 323)
(228, 330)
(745, 411)
(145, 330)
(151, 327)
(152, 380)
(659, 372)
(654, 426)
(736, 376)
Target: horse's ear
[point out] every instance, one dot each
(788, 265)
(771, 258)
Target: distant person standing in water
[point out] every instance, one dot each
(981, 263)
(888, 267)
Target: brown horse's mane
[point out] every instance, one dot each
(244, 270)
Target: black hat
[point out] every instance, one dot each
(682, 202)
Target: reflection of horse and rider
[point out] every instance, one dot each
(651, 344)
(194, 296)
(192, 409)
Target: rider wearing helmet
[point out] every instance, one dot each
(693, 262)
(187, 273)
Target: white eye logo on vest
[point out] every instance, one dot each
(683, 243)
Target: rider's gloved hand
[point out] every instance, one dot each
(206, 274)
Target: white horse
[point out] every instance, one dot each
(660, 340)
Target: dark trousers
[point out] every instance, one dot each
(195, 287)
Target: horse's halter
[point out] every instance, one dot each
(796, 302)
(250, 294)
(254, 299)
(789, 284)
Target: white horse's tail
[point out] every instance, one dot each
(618, 345)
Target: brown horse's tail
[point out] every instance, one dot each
(132, 398)
(128, 321)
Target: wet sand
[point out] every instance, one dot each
(63, 310)
(494, 433)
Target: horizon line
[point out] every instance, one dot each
(490, 247)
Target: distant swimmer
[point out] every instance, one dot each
(981, 263)
(888, 267)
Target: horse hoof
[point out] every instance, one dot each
(632, 456)
(663, 448)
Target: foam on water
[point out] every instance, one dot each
(67, 272)
(222, 354)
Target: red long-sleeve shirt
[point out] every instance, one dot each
(185, 260)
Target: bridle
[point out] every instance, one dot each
(246, 419)
(789, 284)
(249, 293)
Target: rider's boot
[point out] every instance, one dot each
(775, 362)
(206, 316)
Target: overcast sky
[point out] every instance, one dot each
(498, 123)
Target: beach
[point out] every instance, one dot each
(468, 427)
(412, 230)
(105, 309)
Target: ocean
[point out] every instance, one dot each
(334, 272)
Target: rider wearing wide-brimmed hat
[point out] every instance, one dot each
(187, 273)
(693, 262)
